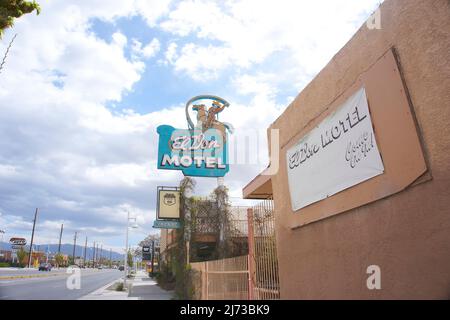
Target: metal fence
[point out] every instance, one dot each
(263, 262)
(253, 276)
(225, 279)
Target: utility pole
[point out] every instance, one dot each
(74, 245)
(110, 259)
(84, 257)
(32, 238)
(125, 262)
(93, 256)
(60, 236)
(2, 232)
(101, 254)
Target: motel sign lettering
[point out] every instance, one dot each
(193, 152)
(188, 161)
(336, 131)
(194, 142)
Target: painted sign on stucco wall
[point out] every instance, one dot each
(339, 153)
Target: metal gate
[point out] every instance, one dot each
(264, 281)
(253, 276)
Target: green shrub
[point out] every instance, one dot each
(119, 286)
(165, 278)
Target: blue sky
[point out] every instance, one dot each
(86, 84)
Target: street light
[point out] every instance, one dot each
(134, 226)
(2, 232)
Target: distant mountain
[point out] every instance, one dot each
(68, 249)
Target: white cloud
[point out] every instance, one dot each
(201, 63)
(248, 32)
(152, 10)
(7, 170)
(148, 51)
(262, 83)
(171, 52)
(119, 39)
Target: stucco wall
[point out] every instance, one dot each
(406, 234)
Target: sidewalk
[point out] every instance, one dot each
(140, 288)
(145, 288)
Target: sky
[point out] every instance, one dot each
(87, 82)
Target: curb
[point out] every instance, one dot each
(100, 290)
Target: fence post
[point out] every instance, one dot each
(207, 280)
(251, 255)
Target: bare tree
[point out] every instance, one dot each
(6, 52)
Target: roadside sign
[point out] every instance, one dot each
(201, 149)
(146, 254)
(168, 203)
(167, 224)
(18, 241)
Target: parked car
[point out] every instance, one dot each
(45, 267)
(121, 268)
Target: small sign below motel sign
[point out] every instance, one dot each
(200, 150)
(167, 224)
(168, 208)
(168, 203)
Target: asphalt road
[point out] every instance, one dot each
(54, 286)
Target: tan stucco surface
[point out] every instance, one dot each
(407, 234)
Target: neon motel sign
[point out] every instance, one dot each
(201, 150)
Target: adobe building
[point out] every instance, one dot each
(346, 200)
